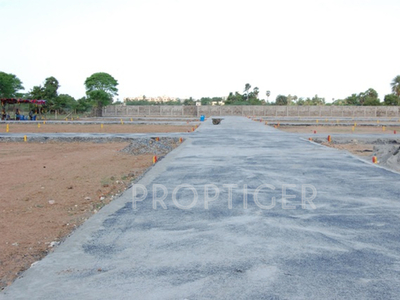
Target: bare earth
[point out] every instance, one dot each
(83, 128)
(48, 189)
(360, 149)
(341, 129)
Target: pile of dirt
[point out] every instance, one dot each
(157, 146)
(387, 151)
(388, 155)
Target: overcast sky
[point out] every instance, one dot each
(196, 48)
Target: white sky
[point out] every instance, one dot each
(198, 48)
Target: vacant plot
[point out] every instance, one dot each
(50, 189)
(341, 129)
(385, 148)
(29, 127)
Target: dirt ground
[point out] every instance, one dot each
(361, 149)
(341, 129)
(357, 149)
(50, 189)
(89, 128)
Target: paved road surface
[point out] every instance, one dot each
(238, 243)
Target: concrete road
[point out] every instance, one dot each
(239, 211)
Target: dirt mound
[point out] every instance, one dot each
(157, 146)
(388, 155)
(386, 150)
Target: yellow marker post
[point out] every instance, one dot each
(38, 125)
(25, 138)
(44, 122)
(383, 128)
(122, 122)
(66, 119)
(316, 121)
(352, 128)
(377, 121)
(7, 128)
(337, 121)
(131, 119)
(355, 124)
(101, 126)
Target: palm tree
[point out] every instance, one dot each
(396, 85)
(256, 91)
(268, 93)
(246, 90)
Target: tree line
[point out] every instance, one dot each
(100, 90)
(367, 98)
(250, 96)
(102, 87)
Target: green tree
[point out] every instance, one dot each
(100, 89)
(65, 103)
(352, 100)
(48, 92)
(236, 99)
(255, 92)
(300, 101)
(206, 100)
(9, 85)
(189, 101)
(370, 98)
(339, 102)
(253, 97)
(396, 85)
(247, 87)
(37, 92)
(268, 93)
(83, 105)
(391, 99)
(51, 86)
(372, 101)
(317, 100)
(281, 100)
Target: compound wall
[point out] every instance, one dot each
(266, 111)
